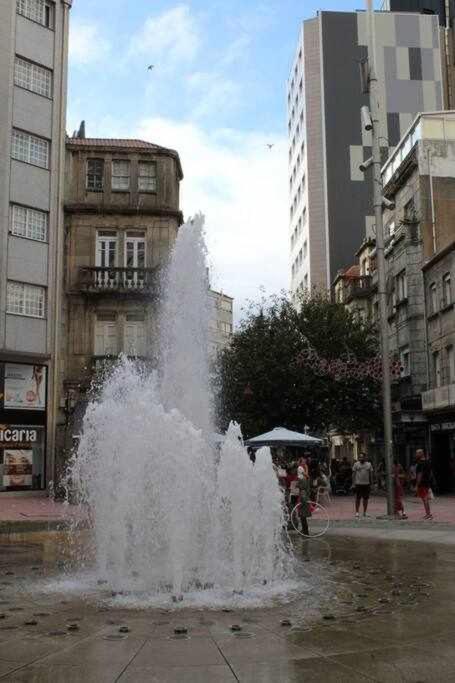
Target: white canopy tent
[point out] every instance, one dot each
(280, 436)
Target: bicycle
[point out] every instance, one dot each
(317, 509)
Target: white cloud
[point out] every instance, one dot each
(167, 38)
(212, 92)
(241, 187)
(86, 43)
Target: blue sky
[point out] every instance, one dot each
(217, 95)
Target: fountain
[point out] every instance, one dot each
(170, 513)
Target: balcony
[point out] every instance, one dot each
(122, 281)
(357, 288)
(101, 364)
(440, 398)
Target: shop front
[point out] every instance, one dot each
(23, 415)
(443, 453)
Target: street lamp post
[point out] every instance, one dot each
(371, 122)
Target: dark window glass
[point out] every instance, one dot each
(95, 174)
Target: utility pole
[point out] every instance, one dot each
(371, 122)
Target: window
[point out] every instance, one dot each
(147, 176)
(437, 368)
(305, 281)
(226, 327)
(29, 148)
(120, 175)
(42, 11)
(25, 299)
(95, 175)
(305, 249)
(450, 364)
(433, 298)
(390, 230)
(405, 362)
(402, 286)
(106, 249)
(29, 223)
(135, 335)
(33, 77)
(226, 305)
(135, 249)
(447, 289)
(106, 334)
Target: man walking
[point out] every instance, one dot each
(362, 476)
(423, 481)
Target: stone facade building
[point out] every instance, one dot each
(33, 84)
(432, 162)
(121, 217)
(419, 177)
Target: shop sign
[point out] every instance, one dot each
(443, 427)
(10, 435)
(25, 387)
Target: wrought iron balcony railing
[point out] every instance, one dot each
(97, 280)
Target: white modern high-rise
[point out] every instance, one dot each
(33, 84)
(330, 199)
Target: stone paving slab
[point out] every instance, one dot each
(377, 610)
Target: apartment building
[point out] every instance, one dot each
(121, 217)
(221, 321)
(419, 177)
(330, 209)
(33, 82)
(425, 161)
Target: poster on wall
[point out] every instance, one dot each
(25, 387)
(17, 468)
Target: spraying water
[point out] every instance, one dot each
(170, 514)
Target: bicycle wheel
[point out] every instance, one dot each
(319, 513)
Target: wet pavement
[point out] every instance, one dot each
(377, 610)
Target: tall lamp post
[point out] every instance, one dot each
(371, 122)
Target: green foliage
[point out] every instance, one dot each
(262, 382)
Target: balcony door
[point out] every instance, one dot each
(135, 259)
(106, 257)
(106, 335)
(135, 337)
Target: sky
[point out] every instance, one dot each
(216, 94)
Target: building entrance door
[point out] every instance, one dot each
(443, 462)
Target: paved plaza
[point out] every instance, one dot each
(375, 610)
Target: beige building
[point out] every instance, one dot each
(121, 218)
(122, 215)
(33, 83)
(425, 163)
(221, 319)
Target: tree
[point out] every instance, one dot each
(315, 364)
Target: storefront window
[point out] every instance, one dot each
(21, 457)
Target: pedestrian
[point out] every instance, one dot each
(399, 477)
(302, 467)
(424, 478)
(362, 475)
(303, 486)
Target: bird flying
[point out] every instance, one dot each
(150, 67)
(270, 145)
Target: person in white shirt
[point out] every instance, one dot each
(362, 477)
